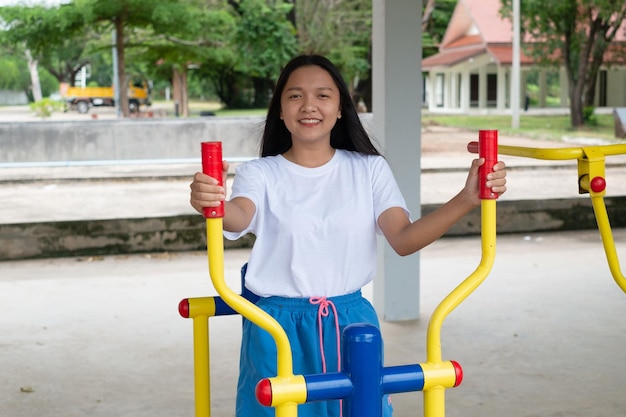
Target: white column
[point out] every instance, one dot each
(447, 90)
(465, 91)
(501, 97)
(432, 93)
(454, 90)
(523, 89)
(482, 87)
(397, 52)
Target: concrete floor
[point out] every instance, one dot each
(101, 337)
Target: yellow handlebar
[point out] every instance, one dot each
(591, 166)
(558, 154)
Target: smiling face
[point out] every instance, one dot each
(310, 105)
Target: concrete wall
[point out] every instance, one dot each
(119, 140)
(13, 98)
(97, 140)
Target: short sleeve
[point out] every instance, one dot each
(248, 183)
(385, 188)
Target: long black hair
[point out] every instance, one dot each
(348, 132)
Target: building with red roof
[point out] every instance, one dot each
(473, 67)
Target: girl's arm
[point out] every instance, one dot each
(407, 238)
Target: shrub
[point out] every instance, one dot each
(45, 107)
(589, 117)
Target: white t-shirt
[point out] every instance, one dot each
(315, 227)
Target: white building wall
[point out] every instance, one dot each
(616, 90)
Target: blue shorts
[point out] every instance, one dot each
(299, 318)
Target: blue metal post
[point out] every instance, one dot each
(362, 359)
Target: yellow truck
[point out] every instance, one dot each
(82, 98)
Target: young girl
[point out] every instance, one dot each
(315, 200)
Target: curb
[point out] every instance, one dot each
(188, 232)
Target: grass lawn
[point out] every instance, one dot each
(552, 127)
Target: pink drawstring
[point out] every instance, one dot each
(322, 311)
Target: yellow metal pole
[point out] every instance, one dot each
(434, 397)
(201, 366)
(200, 309)
(607, 240)
(212, 165)
(215, 248)
(434, 392)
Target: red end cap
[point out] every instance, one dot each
(183, 308)
(264, 392)
(459, 373)
(472, 147)
(598, 184)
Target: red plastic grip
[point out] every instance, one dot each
(488, 149)
(212, 166)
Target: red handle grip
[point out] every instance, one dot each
(212, 166)
(488, 149)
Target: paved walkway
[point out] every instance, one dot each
(101, 337)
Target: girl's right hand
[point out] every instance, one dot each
(205, 191)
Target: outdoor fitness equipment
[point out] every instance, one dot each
(591, 180)
(363, 379)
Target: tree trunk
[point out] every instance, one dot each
(576, 70)
(122, 85)
(428, 11)
(576, 101)
(576, 112)
(34, 77)
(589, 96)
(179, 92)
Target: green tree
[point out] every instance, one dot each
(14, 73)
(161, 37)
(113, 17)
(435, 17)
(575, 34)
(341, 30)
(232, 87)
(201, 44)
(264, 40)
(52, 35)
